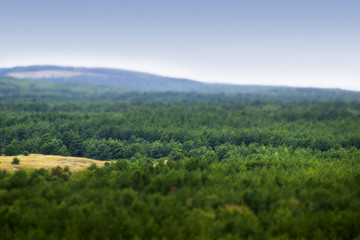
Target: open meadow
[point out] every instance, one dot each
(37, 161)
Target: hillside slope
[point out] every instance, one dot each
(90, 83)
(104, 77)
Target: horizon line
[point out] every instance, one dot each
(178, 77)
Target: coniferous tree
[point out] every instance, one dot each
(103, 152)
(54, 147)
(116, 148)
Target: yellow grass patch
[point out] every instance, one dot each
(38, 161)
(165, 162)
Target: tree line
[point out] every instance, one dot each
(177, 129)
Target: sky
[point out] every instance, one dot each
(304, 43)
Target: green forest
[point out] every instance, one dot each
(269, 164)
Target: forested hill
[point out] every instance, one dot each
(108, 82)
(12, 89)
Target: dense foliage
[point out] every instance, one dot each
(185, 165)
(262, 193)
(177, 129)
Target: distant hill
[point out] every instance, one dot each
(104, 77)
(105, 82)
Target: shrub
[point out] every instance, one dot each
(56, 171)
(26, 153)
(15, 160)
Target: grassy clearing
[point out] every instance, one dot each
(38, 161)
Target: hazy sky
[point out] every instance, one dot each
(271, 42)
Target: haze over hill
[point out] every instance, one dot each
(104, 77)
(132, 80)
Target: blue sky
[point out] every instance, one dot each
(271, 42)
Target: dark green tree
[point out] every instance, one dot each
(54, 147)
(116, 148)
(156, 150)
(15, 160)
(103, 152)
(13, 148)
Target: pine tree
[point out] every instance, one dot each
(103, 152)
(117, 149)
